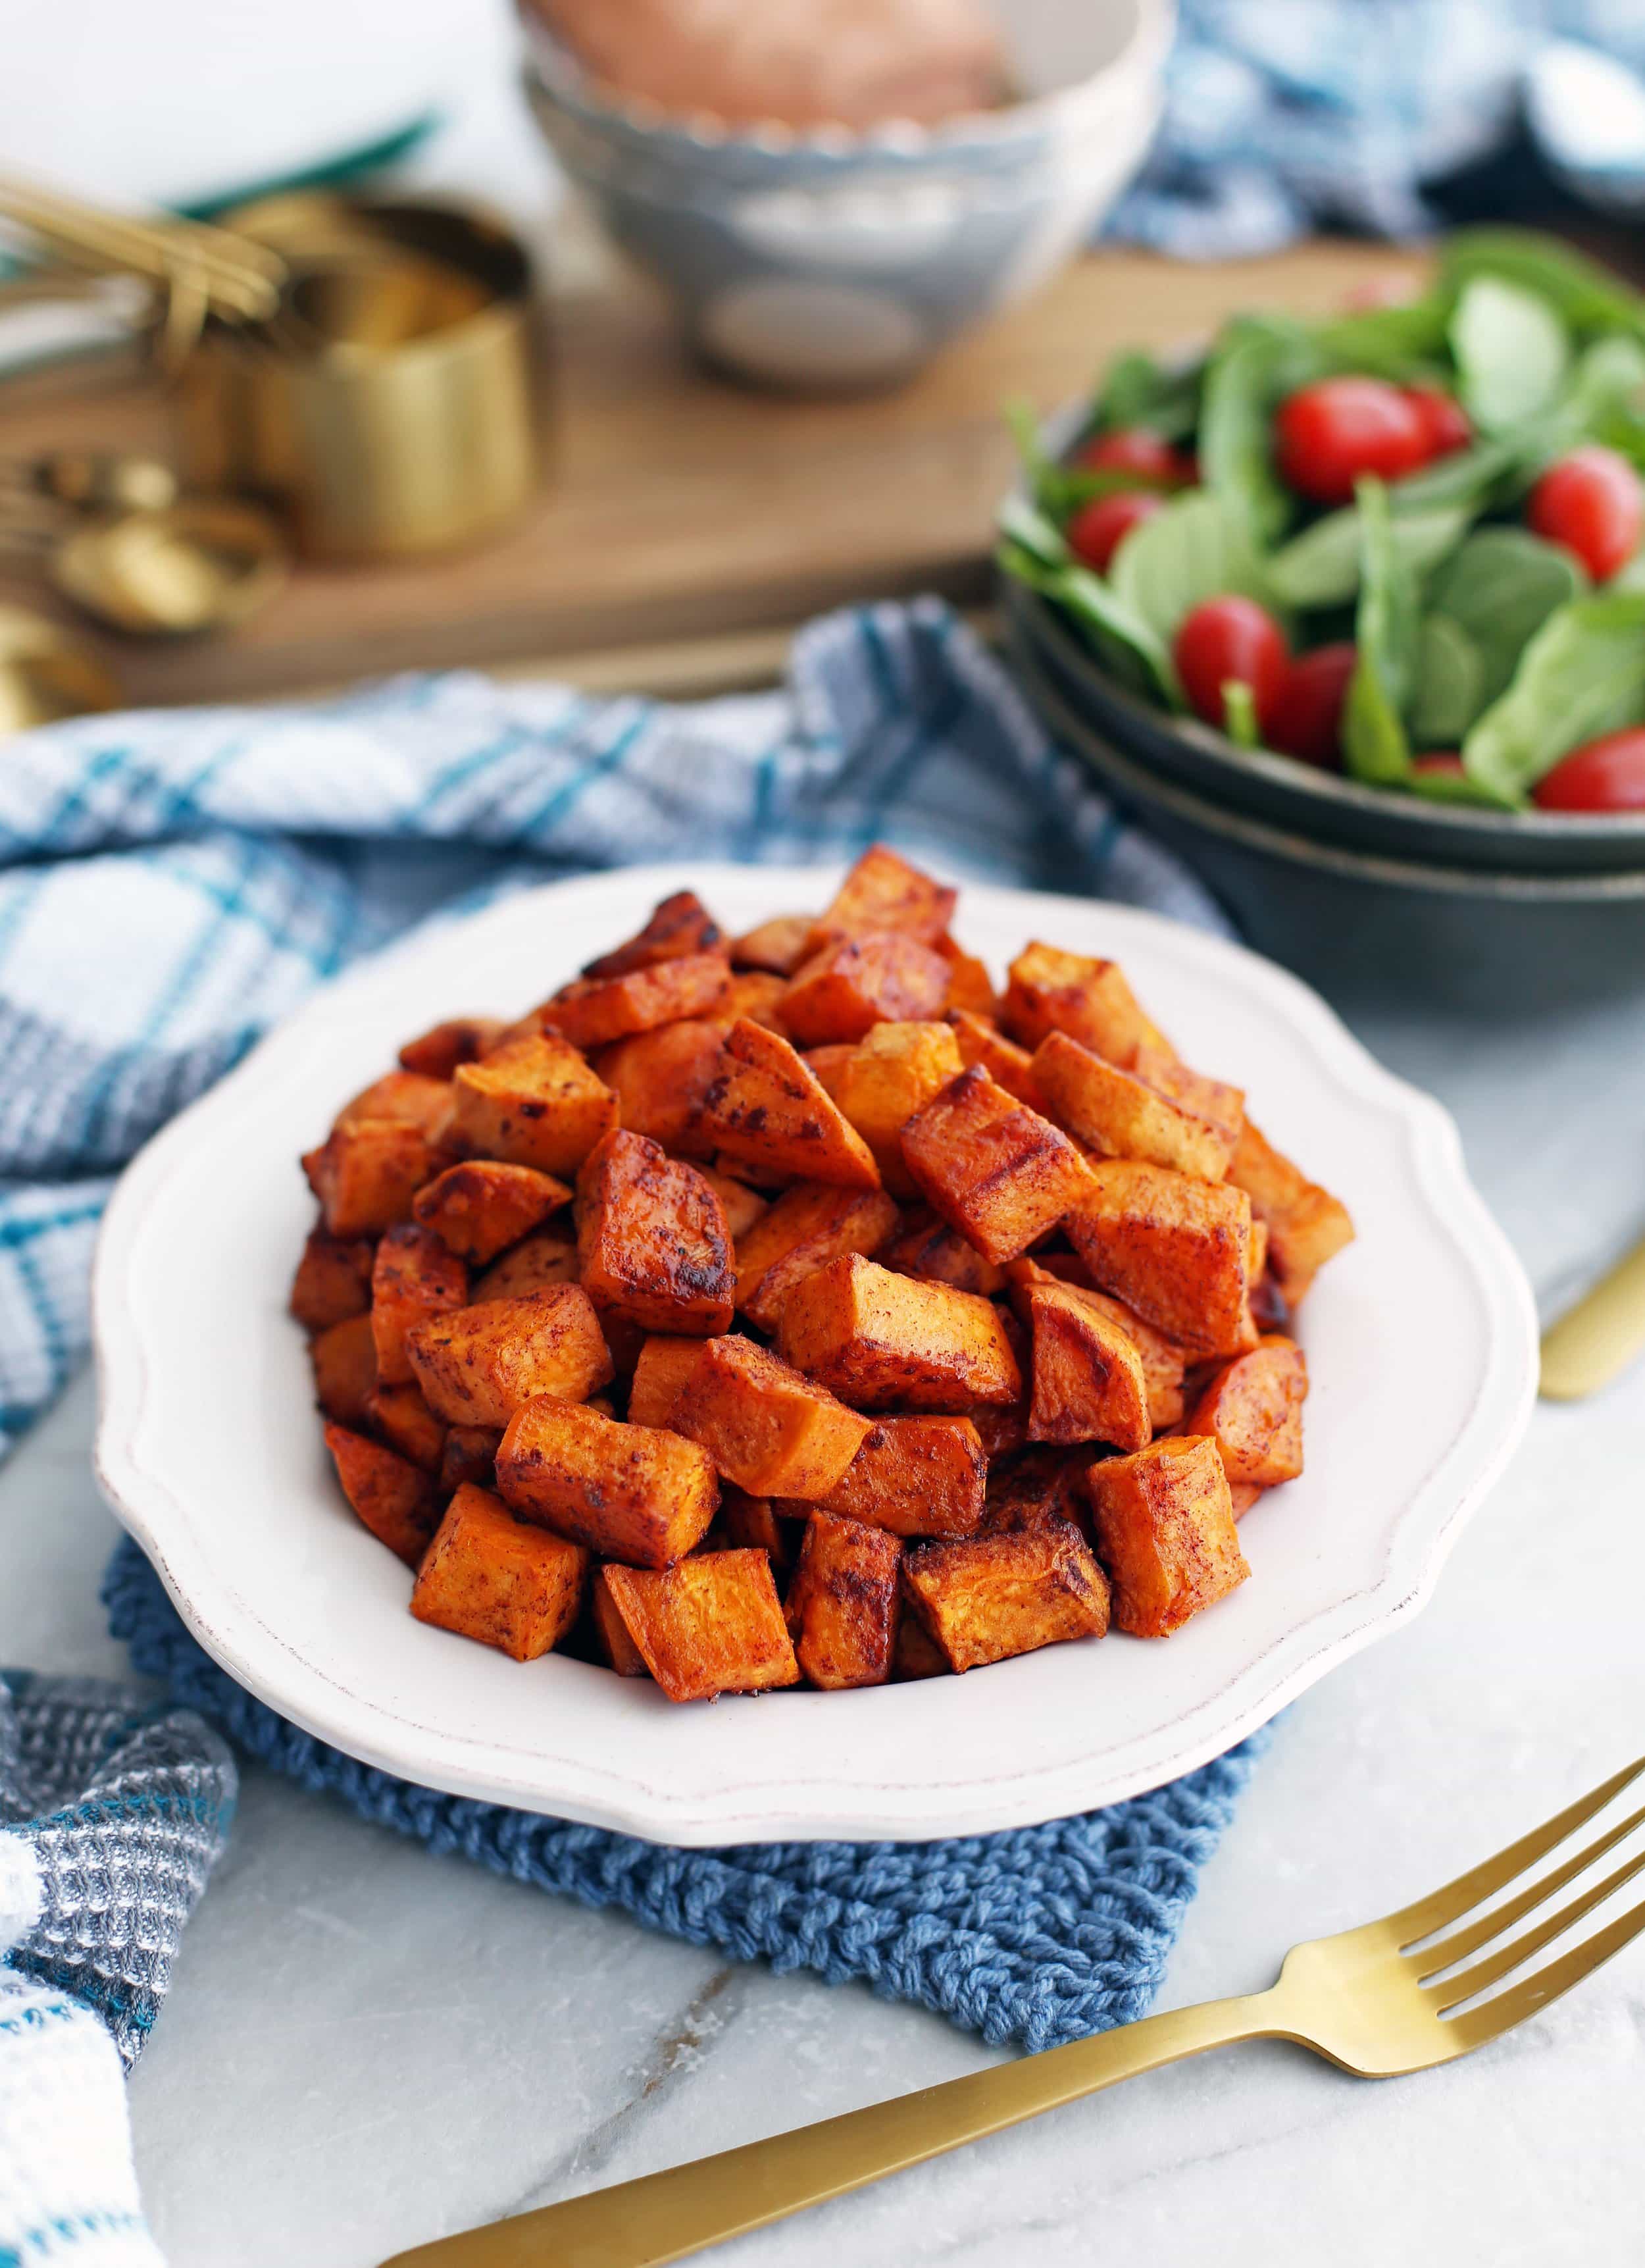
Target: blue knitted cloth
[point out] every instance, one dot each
(1037, 1936)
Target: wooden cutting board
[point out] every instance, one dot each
(686, 525)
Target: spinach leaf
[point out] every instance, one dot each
(1512, 352)
(1256, 363)
(1240, 714)
(1194, 549)
(1449, 787)
(1486, 474)
(1397, 342)
(1500, 586)
(1448, 691)
(1374, 743)
(1587, 296)
(1125, 642)
(1583, 674)
(1031, 530)
(1321, 566)
(1137, 390)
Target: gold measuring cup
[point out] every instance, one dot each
(386, 407)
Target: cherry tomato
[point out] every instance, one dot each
(1607, 774)
(1445, 427)
(1096, 528)
(1591, 504)
(1307, 715)
(1442, 763)
(1225, 638)
(1326, 435)
(1134, 449)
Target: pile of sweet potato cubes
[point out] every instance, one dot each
(795, 1309)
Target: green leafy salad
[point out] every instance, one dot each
(1405, 541)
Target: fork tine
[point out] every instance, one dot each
(1542, 1990)
(1494, 1874)
(1447, 1951)
(1497, 1965)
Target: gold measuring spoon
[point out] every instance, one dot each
(93, 479)
(203, 564)
(45, 676)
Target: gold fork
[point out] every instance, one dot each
(1376, 2000)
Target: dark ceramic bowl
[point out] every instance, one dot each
(1364, 925)
(1322, 806)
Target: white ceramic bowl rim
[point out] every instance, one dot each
(205, 1445)
(558, 73)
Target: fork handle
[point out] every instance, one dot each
(663, 2217)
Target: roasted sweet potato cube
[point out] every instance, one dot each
(661, 1368)
(629, 1492)
(398, 1503)
(478, 1365)
(778, 944)
(970, 986)
(488, 1577)
(928, 1248)
(884, 892)
(741, 1205)
(981, 1042)
(1089, 1383)
(469, 1453)
(767, 1110)
(333, 1281)
(991, 1596)
(539, 1262)
(1165, 1532)
(883, 1342)
(1049, 991)
(1253, 1411)
(842, 1604)
(995, 1169)
(1119, 1117)
(884, 1080)
(436, 1054)
(915, 1477)
(345, 1370)
(916, 1654)
(1306, 1225)
(611, 1632)
(1241, 1495)
(409, 1426)
(1214, 1099)
(660, 1078)
(753, 1523)
(856, 983)
(1163, 1360)
(367, 1173)
(758, 994)
(652, 1247)
(711, 1625)
(1174, 1249)
(416, 1278)
(808, 1225)
(592, 1011)
(1034, 1485)
(770, 1429)
(480, 1208)
(404, 1099)
(532, 1102)
(678, 925)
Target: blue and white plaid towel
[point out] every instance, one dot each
(171, 884)
(1283, 117)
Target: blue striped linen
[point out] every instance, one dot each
(173, 883)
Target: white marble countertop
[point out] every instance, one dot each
(365, 2047)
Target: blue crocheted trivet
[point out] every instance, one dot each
(1037, 1936)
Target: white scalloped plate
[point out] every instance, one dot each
(1421, 1341)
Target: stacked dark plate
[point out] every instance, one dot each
(1361, 888)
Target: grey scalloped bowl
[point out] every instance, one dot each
(1299, 797)
(823, 258)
